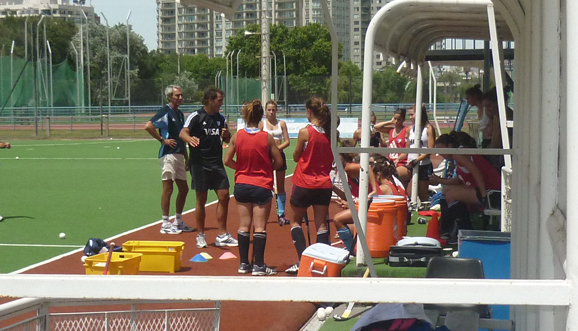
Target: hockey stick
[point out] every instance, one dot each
(347, 313)
(108, 259)
(306, 220)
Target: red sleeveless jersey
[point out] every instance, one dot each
(254, 165)
(492, 179)
(397, 142)
(314, 165)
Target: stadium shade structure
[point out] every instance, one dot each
(544, 265)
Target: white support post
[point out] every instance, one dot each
(499, 83)
(417, 135)
(572, 150)
(434, 90)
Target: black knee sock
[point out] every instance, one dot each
(244, 242)
(298, 240)
(445, 223)
(259, 241)
(323, 237)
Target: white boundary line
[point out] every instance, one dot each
(107, 240)
(81, 158)
(39, 245)
(108, 141)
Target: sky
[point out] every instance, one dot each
(143, 17)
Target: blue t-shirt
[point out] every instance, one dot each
(169, 122)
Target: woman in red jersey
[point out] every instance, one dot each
(474, 175)
(311, 181)
(257, 156)
(397, 139)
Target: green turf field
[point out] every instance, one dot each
(85, 188)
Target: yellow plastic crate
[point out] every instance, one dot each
(120, 263)
(157, 256)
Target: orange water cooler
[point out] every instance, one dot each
(402, 213)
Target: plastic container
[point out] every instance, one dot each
(120, 263)
(157, 256)
(493, 249)
(321, 260)
(402, 213)
(381, 227)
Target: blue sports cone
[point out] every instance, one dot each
(198, 258)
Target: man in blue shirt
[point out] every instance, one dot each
(173, 158)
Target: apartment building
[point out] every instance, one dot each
(64, 9)
(194, 30)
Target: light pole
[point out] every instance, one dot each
(36, 76)
(12, 74)
(264, 53)
(274, 75)
(88, 61)
(239, 52)
(128, 59)
(285, 82)
(107, 63)
(51, 81)
(77, 80)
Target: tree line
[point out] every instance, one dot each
(307, 52)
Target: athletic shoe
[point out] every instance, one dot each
(292, 270)
(244, 268)
(201, 241)
(226, 240)
(263, 270)
(170, 229)
(282, 220)
(1, 218)
(185, 228)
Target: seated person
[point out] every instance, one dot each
(375, 136)
(352, 168)
(397, 133)
(474, 175)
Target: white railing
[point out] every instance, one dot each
(194, 319)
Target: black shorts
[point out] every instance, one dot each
(425, 171)
(245, 193)
(284, 166)
(204, 179)
(305, 197)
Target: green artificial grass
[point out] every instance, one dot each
(84, 188)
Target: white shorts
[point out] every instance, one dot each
(173, 167)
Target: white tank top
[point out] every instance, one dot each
(423, 144)
(277, 133)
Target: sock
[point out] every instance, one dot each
(346, 236)
(259, 240)
(298, 240)
(178, 219)
(281, 198)
(166, 221)
(323, 237)
(244, 242)
(445, 223)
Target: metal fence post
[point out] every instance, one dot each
(47, 126)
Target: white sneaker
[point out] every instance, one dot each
(1, 218)
(170, 229)
(184, 228)
(201, 241)
(226, 240)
